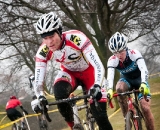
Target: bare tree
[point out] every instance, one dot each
(152, 50)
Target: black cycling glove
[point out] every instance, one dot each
(95, 91)
(43, 100)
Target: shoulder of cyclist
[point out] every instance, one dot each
(77, 37)
(112, 62)
(134, 54)
(43, 54)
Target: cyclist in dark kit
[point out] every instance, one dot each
(133, 75)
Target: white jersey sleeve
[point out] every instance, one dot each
(40, 69)
(93, 58)
(111, 65)
(135, 55)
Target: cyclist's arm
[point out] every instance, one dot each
(111, 65)
(136, 56)
(144, 72)
(40, 69)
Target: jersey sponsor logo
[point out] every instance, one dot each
(73, 57)
(130, 69)
(38, 76)
(97, 65)
(133, 52)
(65, 77)
(75, 39)
(44, 51)
(112, 57)
(62, 59)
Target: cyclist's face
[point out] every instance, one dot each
(53, 41)
(121, 55)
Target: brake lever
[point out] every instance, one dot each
(45, 110)
(109, 101)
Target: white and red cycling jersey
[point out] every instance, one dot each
(133, 67)
(78, 60)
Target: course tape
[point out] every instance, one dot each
(10, 123)
(114, 113)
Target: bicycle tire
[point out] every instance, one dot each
(140, 117)
(78, 127)
(43, 125)
(130, 121)
(133, 121)
(24, 127)
(14, 127)
(91, 124)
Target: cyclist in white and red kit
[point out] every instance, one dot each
(133, 75)
(78, 60)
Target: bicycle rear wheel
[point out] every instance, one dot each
(14, 127)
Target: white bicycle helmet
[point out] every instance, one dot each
(117, 42)
(47, 23)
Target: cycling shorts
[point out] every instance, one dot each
(134, 84)
(13, 114)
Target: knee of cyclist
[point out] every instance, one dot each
(145, 108)
(62, 89)
(119, 90)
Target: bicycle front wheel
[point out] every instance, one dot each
(14, 127)
(134, 122)
(78, 127)
(24, 127)
(131, 121)
(43, 125)
(141, 121)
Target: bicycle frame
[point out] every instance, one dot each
(134, 113)
(43, 125)
(17, 126)
(77, 120)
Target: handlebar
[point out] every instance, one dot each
(125, 93)
(71, 99)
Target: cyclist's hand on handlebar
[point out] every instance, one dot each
(95, 91)
(110, 94)
(144, 89)
(43, 100)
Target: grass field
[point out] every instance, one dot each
(116, 119)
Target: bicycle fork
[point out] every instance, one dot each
(133, 112)
(75, 114)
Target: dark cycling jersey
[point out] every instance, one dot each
(133, 67)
